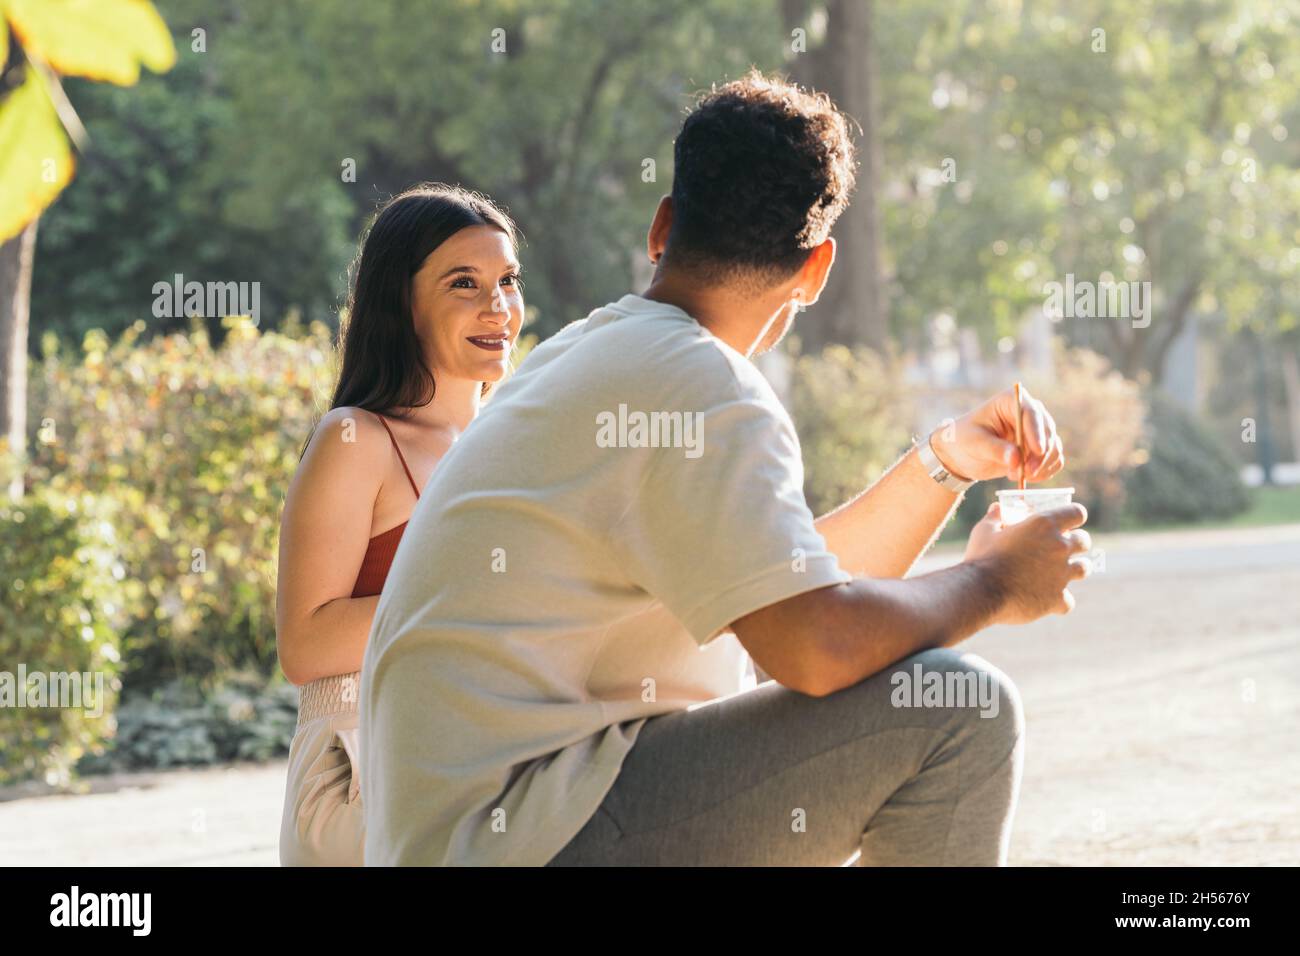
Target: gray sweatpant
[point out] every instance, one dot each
(772, 777)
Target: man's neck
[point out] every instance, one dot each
(740, 321)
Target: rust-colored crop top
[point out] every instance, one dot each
(379, 554)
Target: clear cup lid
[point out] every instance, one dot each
(1034, 492)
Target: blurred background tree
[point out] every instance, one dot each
(1004, 145)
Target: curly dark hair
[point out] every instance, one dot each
(762, 169)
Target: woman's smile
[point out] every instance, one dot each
(492, 341)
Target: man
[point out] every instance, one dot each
(558, 667)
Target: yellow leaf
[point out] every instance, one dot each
(35, 160)
(4, 39)
(101, 39)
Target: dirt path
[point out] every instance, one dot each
(1163, 719)
(1164, 713)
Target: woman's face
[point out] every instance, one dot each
(468, 305)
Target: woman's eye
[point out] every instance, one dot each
(512, 280)
(462, 283)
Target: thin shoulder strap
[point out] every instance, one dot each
(400, 457)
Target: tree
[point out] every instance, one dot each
(854, 308)
(149, 202)
(1138, 141)
(108, 41)
(564, 111)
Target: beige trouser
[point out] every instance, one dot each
(322, 823)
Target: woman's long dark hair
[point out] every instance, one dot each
(382, 364)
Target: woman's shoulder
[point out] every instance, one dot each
(343, 446)
(351, 420)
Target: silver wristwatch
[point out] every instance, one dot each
(930, 461)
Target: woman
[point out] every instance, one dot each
(434, 313)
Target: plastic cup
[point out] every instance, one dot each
(1017, 505)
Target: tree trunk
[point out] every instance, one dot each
(1263, 425)
(1291, 381)
(854, 307)
(16, 258)
(1179, 314)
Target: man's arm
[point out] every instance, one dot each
(820, 641)
(885, 529)
(830, 638)
(882, 532)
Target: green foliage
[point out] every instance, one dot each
(196, 445)
(61, 613)
(1166, 156)
(232, 167)
(852, 416)
(107, 41)
(1189, 477)
(1129, 161)
(556, 126)
(147, 204)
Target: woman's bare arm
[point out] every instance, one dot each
(324, 532)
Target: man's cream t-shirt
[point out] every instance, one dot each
(572, 569)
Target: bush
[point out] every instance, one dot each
(1099, 415)
(61, 613)
(1189, 476)
(245, 717)
(853, 414)
(853, 419)
(188, 449)
(196, 445)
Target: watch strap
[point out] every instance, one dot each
(936, 469)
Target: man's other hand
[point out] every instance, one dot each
(1032, 563)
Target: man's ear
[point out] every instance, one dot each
(656, 239)
(812, 277)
